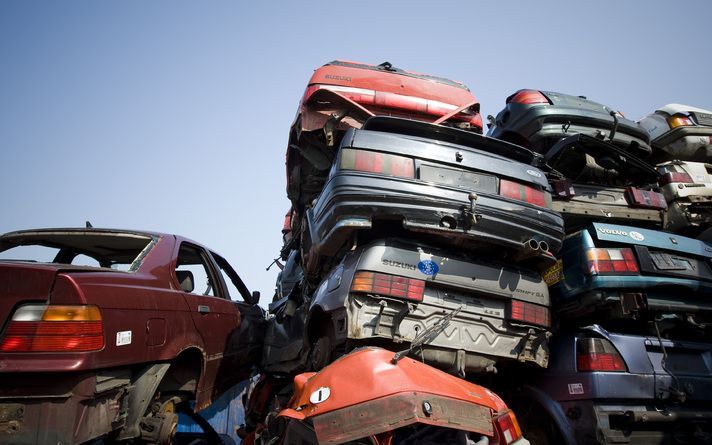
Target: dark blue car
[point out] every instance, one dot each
(609, 271)
(603, 387)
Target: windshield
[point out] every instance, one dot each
(106, 249)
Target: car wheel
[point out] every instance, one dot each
(320, 353)
(161, 422)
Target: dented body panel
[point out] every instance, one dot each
(366, 393)
(479, 337)
(342, 95)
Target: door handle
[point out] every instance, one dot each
(202, 309)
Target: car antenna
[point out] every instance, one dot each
(427, 335)
(88, 225)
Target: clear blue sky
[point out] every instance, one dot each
(173, 115)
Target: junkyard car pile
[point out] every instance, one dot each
(412, 231)
(560, 261)
(631, 361)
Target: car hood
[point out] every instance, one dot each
(369, 374)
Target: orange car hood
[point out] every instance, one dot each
(368, 374)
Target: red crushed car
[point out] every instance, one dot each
(372, 396)
(342, 95)
(106, 333)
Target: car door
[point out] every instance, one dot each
(245, 346)
(215, 317)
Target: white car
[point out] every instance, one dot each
(680, 132)
(687, 187)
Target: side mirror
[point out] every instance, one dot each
(255, 297)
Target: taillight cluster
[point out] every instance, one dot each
(53, 328)
(521, 192)
(679, 120)
(645, 198)
(528, 97)
(598, 354)
(530, 313)
(374, 162)
(611, 262)
(388, 285)
(508, 428)
(671, 177)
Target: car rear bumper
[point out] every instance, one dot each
(69, 408)
(594, 422)
(686, 143)
(541, 125)
(577, 214)
(689, 216)
(627, 300)
(354, 202)
(476, 339)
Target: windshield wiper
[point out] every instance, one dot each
(427, 335)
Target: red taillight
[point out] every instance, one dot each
(530, 313)
(611, 262)
(390, 285)
(679, 120)
(598, 354)
(508, 427)
(521, 192)
(645, 198)
(528, 97)
(42, 328)
(374, 162)
(670, 177)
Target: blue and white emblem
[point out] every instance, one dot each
(428, 267)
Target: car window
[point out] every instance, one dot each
(40, 254)
(235, 287)
(85, 260)
(193, 273)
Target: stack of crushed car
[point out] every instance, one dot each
(410, 230)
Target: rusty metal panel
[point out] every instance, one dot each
(389, 413)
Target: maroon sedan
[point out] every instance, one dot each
(106, 333)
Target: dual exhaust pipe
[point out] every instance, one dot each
(531, 248)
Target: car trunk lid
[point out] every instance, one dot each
(482, 154)
(683, 370)
(444, 271)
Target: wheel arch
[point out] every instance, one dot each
(552, 409)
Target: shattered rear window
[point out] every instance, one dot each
(91, 248)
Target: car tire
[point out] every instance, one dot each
(320, 353)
